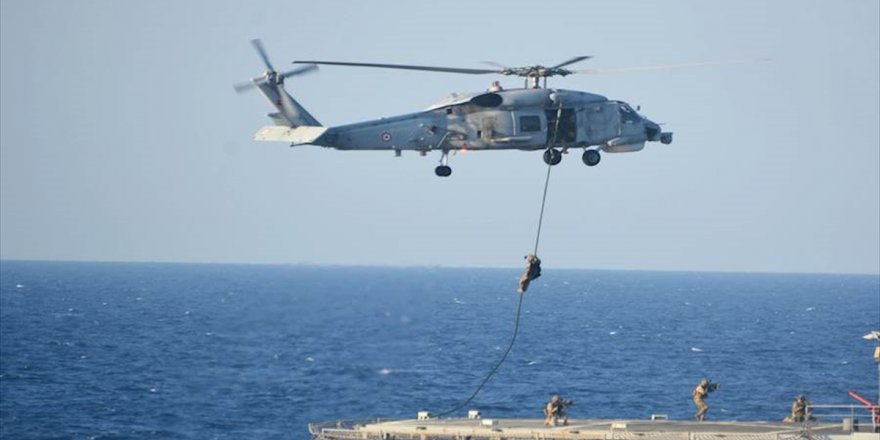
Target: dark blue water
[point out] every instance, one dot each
(92, 350)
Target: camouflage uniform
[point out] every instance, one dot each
(533, 270)
(554, 411)
(700, 393)
(798, 410)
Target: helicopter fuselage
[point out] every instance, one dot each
(521, 119)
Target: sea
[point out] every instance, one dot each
(210, 351)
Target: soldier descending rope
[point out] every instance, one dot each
(533, 270)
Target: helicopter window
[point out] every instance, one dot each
(627, 114)
(529, 123)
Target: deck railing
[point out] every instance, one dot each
(857, 416)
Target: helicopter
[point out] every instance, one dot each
(531, 118)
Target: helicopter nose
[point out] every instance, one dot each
(652, 130)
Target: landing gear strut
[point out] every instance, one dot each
(591, 158)
(443, 170)
(552, 156)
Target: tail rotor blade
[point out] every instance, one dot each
(244, 86)
(300, 71)
(258, 45)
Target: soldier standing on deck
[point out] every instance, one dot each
(700, 392)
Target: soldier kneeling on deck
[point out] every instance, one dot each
(533, 270)
(555, 411)
(799, 411)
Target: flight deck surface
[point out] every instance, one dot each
(534, 429)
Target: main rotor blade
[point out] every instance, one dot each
(300, 71)
(571, 61)
(258, 45)
(666, 66)
(405, 67)
(492, 63)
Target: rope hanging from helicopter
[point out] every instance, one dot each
(497, 364)
(547, 180)
(522, 295)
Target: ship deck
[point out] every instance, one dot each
(580, 429)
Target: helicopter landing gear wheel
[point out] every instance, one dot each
(443, 171)
(552, 156)
(591, 158)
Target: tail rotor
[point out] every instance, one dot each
(271, 85)
(271, 76)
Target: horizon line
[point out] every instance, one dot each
(426, 266)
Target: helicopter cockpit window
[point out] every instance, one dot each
(627, 114)
(529, 123)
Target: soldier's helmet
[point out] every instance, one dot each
(704, 382)
(801, 397)
(555, 398)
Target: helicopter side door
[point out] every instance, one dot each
(561, 125)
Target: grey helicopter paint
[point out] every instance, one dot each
(530, 118)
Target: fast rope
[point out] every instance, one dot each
(541, 216)
(518, 313)
(547, 180)
(497, 365)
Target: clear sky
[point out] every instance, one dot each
(123, 140)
